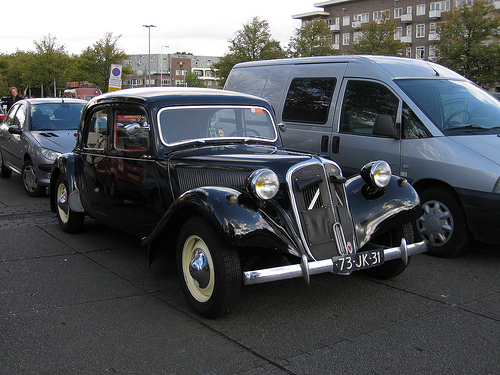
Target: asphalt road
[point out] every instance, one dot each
(89, 304)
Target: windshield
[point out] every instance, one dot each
(56, 116)
(213, 123)
(456, 107)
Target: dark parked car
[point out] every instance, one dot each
(201, 171)
(34, 133)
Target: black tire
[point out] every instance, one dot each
(390, 268)
(443, 224)
(216, 288)
(30, 181)
(69, 221)
(4, 171)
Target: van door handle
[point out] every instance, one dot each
(335, 145)
(324, 144)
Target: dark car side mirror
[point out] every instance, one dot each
(14, 129)
(384, 126)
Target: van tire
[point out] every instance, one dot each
(443, 224)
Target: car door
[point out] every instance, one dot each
(133, 197)
(357, 141)
(15, 146)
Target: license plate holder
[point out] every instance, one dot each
(359, 261)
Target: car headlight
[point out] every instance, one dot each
(49, 154)
(377, 173)
(264, 184)
(496, 188)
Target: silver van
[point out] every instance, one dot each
(434, 127)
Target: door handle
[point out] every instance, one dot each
(324, 144)
(335, 144)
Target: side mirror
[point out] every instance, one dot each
(384, 126)
(15, 129)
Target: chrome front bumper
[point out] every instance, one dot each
(306, 268)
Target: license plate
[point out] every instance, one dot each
(359, 261)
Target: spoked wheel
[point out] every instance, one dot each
(391, 268)
(69, 221)
(209, 271)
(30, 180)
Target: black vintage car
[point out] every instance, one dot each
(201, 171)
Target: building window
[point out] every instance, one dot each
(420, 53)
(398, 12)
(409, 10)
(346, 20)
(461, 3)
(432, 52)
(398, 34)
(378, 16)
(408, 31)
(421, 10)
(356, 36)
(363, 17)
(421, 31)
(346, 39)
(408, 52)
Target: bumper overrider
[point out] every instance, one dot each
(340, 265)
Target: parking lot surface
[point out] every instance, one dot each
(90, 304)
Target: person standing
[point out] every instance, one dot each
(14, 97)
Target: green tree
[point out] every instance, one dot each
(312, 39)
(251, 43)
(378, 38)
(193, 80)
(465, 44)
(95, 62)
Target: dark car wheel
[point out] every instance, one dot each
(30, 181)
(390, 268)
(70, 221)
(4, 171)
(209, 272)
(443, 224)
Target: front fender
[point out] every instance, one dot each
(238, 220)
(378, 212)
(66, 165)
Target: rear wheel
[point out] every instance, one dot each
(4, 171)
(70, 221)
(30, 180)
(209, 271)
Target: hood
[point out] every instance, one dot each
(57, 140)
(487, 145)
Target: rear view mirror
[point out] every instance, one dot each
(14, 129)
(384, 126)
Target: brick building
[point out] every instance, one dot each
(169, 70)
(416, 21)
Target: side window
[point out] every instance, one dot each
(413, 128)
(308, 100)
(20, 117)
(131, 130)
(363, 101)
(97, 135)
(9, 119)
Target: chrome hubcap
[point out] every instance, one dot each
(436, 223)
(62, 203)
(29, 178)
(199, 269)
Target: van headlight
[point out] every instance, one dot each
(377, 173)
(264, 184)
(49, 154)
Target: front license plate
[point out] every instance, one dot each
(359, 261)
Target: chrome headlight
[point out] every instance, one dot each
(264, 184)
(49, 154)
(377, 173)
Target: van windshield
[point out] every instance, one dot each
(456, 107)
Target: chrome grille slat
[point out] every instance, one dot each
(190, 178)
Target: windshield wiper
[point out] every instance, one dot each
(468, 127)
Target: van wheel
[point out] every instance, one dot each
(4, 171)
(443, 224)
(69, 221)
(30, 180)
(391, 268)
(209, 271)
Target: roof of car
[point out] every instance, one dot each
(54, 100)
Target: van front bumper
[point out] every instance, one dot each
(341, 265)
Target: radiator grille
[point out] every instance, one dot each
(190, 178)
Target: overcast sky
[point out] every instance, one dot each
(196, 26)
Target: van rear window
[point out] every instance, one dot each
(308, 100)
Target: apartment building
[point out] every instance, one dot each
(416, 21)
(169, 70)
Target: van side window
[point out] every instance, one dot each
(308, 100)
(363, 101)
(412, 126)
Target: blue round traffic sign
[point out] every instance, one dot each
(116, 72)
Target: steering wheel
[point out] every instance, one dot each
(448, 120)
(244, 130)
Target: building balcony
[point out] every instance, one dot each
(356, 24)
(434, 14)
(406, 39)
(433, 37)
(335, 28)
(407, 18)
(496, 4)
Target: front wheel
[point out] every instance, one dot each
(30, 180)
(69, 221)
(209, 271)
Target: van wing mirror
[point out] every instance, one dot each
(384, 126)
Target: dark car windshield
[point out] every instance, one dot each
(456, 107)
(56, 116)
(214, 123)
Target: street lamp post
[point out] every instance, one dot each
(161, 65)
(147, 77)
